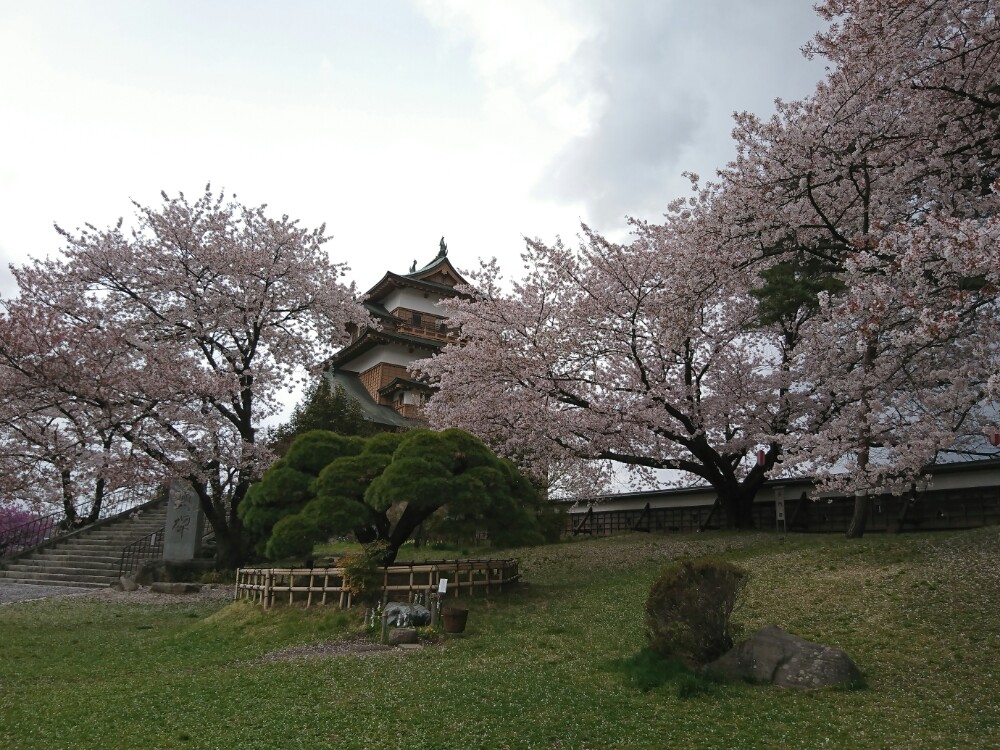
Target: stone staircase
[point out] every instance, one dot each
(90, 557)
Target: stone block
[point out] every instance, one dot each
(399, 636)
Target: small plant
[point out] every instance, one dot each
(218, 576)
(429, 633)
(373, 620)
(688, 610)
(363, 571)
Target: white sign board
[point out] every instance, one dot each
(443, 586)
(779, 509)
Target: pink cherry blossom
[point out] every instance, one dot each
(158, 351)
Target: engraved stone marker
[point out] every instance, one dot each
(185, 522)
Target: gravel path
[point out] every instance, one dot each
(11, 593)
(26, 592)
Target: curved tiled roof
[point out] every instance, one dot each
(418, 280)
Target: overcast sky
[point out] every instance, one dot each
(395, 122)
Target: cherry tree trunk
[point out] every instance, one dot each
(738, 505)
(230, 548)
(856, 528)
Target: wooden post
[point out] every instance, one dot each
(715, 506)
(586, 517)
(644, 516)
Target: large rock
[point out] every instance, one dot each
(401, 614)
(772, 655)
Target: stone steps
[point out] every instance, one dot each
(72, 578)
(89, 559)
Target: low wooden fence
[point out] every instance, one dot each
(326, 585)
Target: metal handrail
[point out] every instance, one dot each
(53, 527)
(29, 534)
(146, 548)
(149, 547)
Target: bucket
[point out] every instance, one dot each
(455, 619)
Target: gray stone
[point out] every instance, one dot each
(772, 655)
(128, 583)
(399, 636)
(401, 614)
(185, 522)
(170, 587)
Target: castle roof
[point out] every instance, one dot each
(439, 276)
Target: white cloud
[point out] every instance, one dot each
(394, 123)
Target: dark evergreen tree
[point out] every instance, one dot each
(323, 408)
(384, 487)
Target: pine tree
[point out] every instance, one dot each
(323, 408)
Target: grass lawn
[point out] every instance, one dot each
(537, 666)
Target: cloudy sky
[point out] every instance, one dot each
(395, 122)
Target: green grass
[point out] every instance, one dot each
(558, 663)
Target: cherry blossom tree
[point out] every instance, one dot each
(60, 426)
(646, 353)
(887, 175)
(202, 314)
(831, 296)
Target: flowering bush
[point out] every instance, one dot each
(12, 523)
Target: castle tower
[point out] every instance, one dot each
(374, 368)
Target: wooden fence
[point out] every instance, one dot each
(268, 586)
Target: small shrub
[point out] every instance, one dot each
(688, 610)
(218, 576)
(363, 571)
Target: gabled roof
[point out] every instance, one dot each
(420, 279)
(440, 264)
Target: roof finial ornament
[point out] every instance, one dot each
(443, 248)
(413, 266)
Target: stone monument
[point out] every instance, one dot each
(185, 523)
